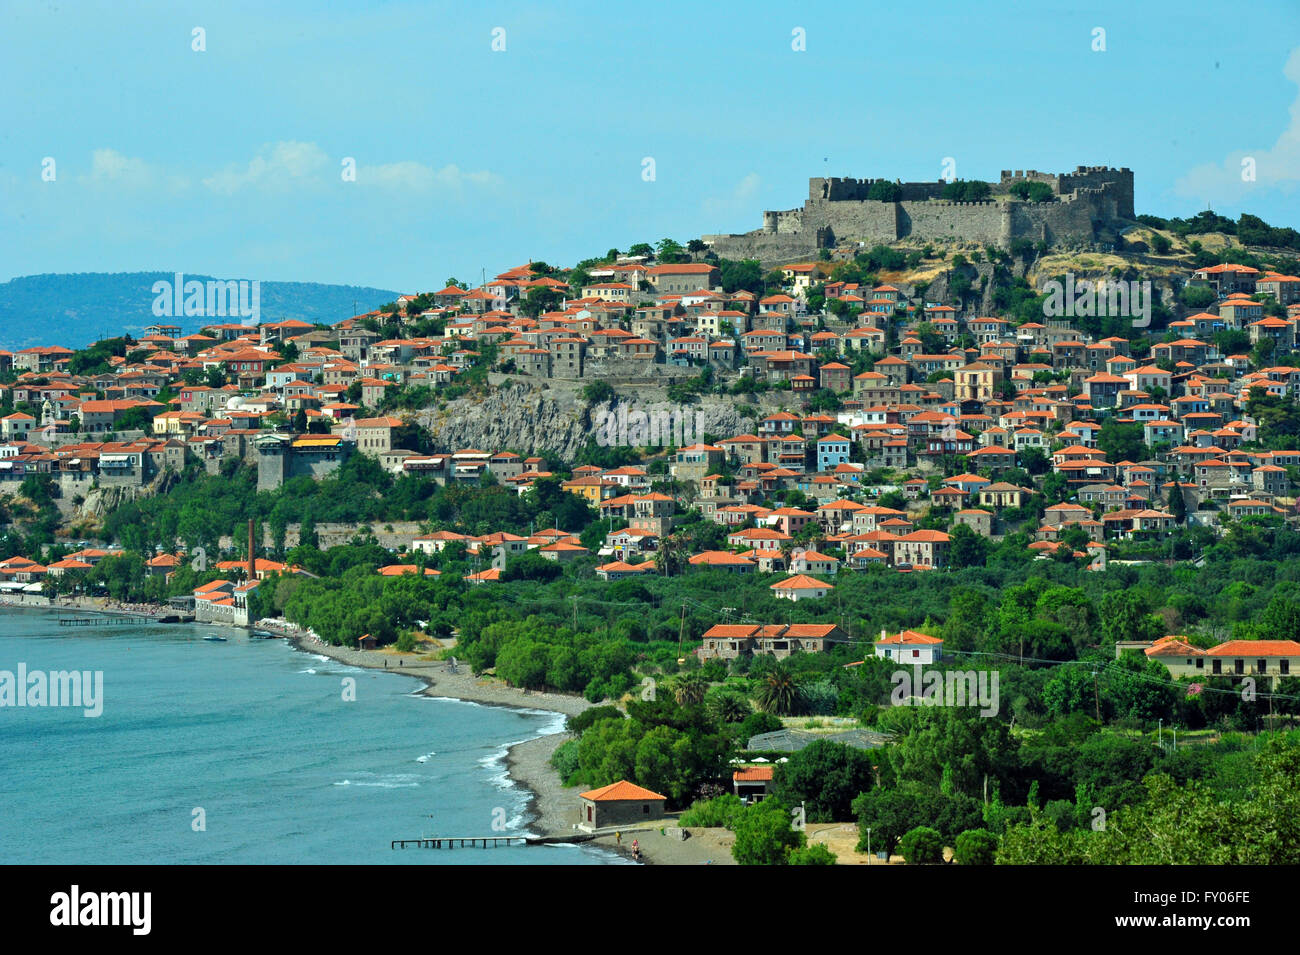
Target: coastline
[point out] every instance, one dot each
(551, 806)
(100, 605)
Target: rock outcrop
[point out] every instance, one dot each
(550, 416)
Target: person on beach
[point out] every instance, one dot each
(618, 838)
(636, 850)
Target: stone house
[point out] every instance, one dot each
(619, 804)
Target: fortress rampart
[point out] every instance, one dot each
(1088, 207)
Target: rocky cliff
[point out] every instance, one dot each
(553, 416)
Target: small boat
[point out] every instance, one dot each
(262, 635)
(214, 638)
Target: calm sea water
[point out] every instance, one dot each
(258, 736)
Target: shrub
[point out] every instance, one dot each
(764, 835)
(816, 854)
(975, 847)
(712, 813)
(922, 846)
(565, 758)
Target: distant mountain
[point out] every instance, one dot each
(76, 309)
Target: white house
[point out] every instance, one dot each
(801, 587)
(908, 646)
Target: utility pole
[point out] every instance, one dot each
(681, 632)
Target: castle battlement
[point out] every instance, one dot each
(1089, 207)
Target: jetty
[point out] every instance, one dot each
(104, 621)
(487, 842)
(463, 842)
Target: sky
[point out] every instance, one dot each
(396, 144)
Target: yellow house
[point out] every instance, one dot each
(176, 423)
(1266, 658)
(592, 488)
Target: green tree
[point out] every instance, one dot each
(976, 847)
(826, 777)
(1032, 191)
(922, 846)
(764, 835)
(815, 854)
(1121, 440)
(307, 533)
(743, 276)
(884, 191)
(777, 691)
(966, 548)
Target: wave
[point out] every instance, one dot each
(386, 781)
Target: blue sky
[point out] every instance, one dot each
(229, 161)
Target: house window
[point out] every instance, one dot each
(645, 808)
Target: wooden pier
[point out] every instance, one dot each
(105, 621)
(461, 842)
(490, 842)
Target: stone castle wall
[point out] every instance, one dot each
(1092, 202)
(981, 222)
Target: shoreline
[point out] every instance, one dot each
(101, 605)
(550, 807)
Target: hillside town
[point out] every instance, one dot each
(908, 431)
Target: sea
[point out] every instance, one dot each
(249, 752)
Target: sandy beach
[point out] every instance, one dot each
(553, 807)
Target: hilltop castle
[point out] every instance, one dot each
(1087, 207)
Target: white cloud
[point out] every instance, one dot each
(1277, 167)
(288, 165)
(279, 166)
(739, 201)
(417, 177)
(108, 166)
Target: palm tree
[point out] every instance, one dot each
(778, 692)
(728, 708)
(689, 689)
(668, 559)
